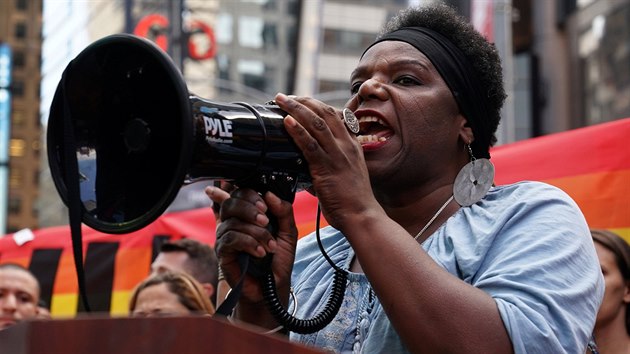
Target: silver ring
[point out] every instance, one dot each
(351, 120)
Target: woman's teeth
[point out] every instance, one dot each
(369, 139)
(367, 124)
(371, 119)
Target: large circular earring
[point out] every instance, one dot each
(473, 181)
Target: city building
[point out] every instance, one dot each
(20, 138)
(570, 60)
(333, 36)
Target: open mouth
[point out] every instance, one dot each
(372, 130)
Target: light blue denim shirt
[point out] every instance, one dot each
(525, 244)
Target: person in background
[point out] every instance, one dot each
(169, 294)
(19, 294)
(192, 257)
(612, 327)
(436, 258)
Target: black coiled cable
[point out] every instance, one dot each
(305, 326)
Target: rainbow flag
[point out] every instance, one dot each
(591, 164)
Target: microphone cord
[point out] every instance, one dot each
(321, 320)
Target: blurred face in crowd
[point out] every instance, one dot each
(158, 300)
(170, 262)
(19, 295)
(617, 295)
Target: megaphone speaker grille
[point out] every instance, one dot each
(133, 137)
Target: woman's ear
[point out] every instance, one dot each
(465, 131)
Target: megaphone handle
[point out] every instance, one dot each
(259, 267)
(272, 300)
(284, 188)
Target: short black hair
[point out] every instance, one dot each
(481, 54)
(202, 258)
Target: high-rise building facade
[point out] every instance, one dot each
(570, 62)
(256, 49)
(334, 34)
(600, 56)
(20, 31)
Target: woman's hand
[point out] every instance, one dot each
(335, 157)
(243, 228)
(218, 194)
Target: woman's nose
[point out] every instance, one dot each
(372, 89)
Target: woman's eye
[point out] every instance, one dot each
(407, 81)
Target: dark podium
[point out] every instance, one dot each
(173, 335)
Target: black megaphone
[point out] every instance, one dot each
(124, 109)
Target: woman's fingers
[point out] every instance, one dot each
(332, 116)
(322, 122)
(244, 220)
(218, 196)
(283, 212)
(234, 236)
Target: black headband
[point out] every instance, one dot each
(457, 72)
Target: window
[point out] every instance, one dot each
(250, 31)
(17, 88)
(18, 117)
(337, 41)
(270, 5)
(17, 147)
(254, 81)
(21, 5)
(18, 59)
(270, 36)
(35, 210)
(15, 205)
(252, 73)
(20, 30)
(223, 28)
(223, 67)
(604, 49)
(293, 8)
(16, 180)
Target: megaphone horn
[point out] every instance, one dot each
(139, 135)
